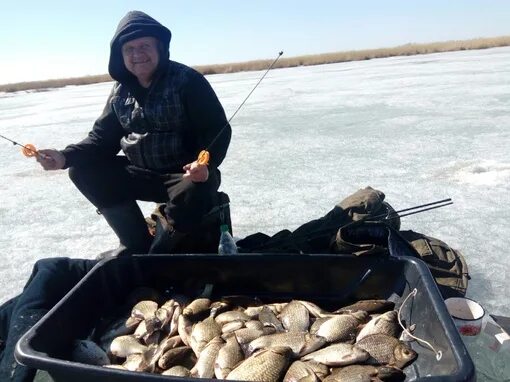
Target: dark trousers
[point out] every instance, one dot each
(107, 184)
(51, 279)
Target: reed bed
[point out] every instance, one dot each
(306, 60)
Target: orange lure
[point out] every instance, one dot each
(203, 157)
(29, 150)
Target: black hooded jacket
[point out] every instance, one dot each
(161, 128)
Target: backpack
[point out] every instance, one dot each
(447, 265)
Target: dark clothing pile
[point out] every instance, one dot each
(50, 280)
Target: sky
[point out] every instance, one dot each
(56, 39)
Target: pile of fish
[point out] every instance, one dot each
(241, 338)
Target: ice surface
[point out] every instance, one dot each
(418, 128)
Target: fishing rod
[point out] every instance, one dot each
(203, 156)
(396, 215)
(417, 209)
(28, 149)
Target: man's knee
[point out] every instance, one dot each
(81, 177)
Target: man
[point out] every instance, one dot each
(161, 114)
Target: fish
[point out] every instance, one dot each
(266, 365)
(300, 343)
(253, 311)
(361, 373)
(173, 356)
(164, 313)
(203, 332)
(196, 307)
(245, 335)
(204, 368)
(125, 345)
(165, 345)
(315, 310)
(169, 305)
(369, 306)
(384, 349)
(184, 327)
(232, 326)
(267, 317)
(153, 338)
(177, 371)
(295, 317)
(174, 321)
(152, 324)
(339, 354)
(341, 327)
(136, 362)
(144, 309)
(255, 341)
(300, 371)
(318, 368)
(231, 315)
(228, 357)
(254, 324)
(385, 323)
(170, 342)
(141, 330)
(132, 322)
(218, 307)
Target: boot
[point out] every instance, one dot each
(166, 238)
(128, 223)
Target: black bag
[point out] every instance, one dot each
(318, 236)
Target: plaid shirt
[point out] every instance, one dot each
(181, 116)
(155, 132)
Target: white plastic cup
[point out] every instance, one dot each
(467, 315)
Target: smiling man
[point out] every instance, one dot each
(161, 114)
(141, 57)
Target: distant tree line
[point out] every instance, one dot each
(315, 59)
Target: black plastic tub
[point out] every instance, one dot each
(328, 280)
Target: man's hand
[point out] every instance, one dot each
(51, 159)
(196, 172)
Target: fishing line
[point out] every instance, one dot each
(203, 156)
(438, 353)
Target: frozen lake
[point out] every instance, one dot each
(418, 128)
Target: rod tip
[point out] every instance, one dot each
(281, 52)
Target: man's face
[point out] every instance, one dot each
(141, 57)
